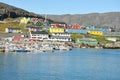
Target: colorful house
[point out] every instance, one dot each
(13, 30)
(35, 29)
(103, 29)
(78, 31)
(18, 38)
(24, 21)
(76, 26)
(88, 41)
(57, 30)
(58, 25)
(99, 33)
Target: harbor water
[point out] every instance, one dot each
(76, 64)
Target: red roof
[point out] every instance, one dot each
(17, 38)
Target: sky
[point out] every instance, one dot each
(66, 6)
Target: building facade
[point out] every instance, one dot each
(39, 35)
(78, 31)
(88, 41)
(64, 37)
(56, 30)
(99, 33)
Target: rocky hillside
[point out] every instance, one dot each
(13, 12)
(98, 19)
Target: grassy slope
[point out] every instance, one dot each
(100, 39)
(11, 25)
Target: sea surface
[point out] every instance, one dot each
(77, 64)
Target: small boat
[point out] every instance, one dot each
(21, 50)
(2, 49)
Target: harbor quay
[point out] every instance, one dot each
(32, 46)
(43, 42)
(45, 46)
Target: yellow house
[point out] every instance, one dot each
(16, 31)
(24, 21)
(57, 30)
(99, 33)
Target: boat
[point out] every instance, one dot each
(21, 50)
(2, 49)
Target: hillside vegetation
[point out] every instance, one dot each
(11, 25)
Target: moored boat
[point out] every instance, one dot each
(2, 50)
(21, 50)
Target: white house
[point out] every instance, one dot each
(112, 39)
(61, 34)
(42, 35)
(39, 35)
(60, 37)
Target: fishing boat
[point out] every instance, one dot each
(21, 50)
(2, 49)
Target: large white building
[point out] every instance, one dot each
(42, 35)
(60, 37)
(39, 35)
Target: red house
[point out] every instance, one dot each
(18, 38)
(76, 26)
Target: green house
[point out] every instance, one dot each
(88, 41)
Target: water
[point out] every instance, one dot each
(78, 64)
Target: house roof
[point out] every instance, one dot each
(61, 33)
(87, 39)
(17, 37)
(39, 32)
(61, 37)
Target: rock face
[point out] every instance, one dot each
(97, 19)
(13, 12)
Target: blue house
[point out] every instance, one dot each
(103, 29)
(78, 31)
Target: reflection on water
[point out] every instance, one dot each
(78, 64)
